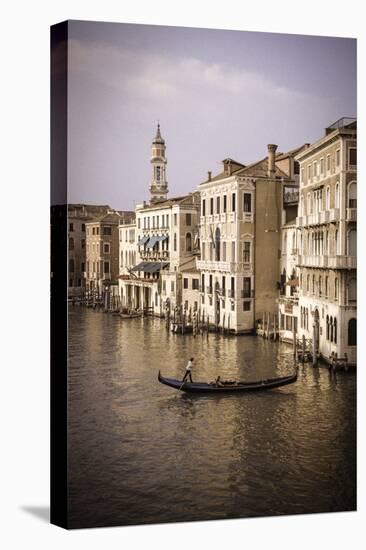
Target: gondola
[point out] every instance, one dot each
(238, 387)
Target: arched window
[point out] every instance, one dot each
(352, 195)
(307, 283)
(352, 243)
(175, 242)
(313, 285)
(71, 266)
(327, 242)
(320, 286)
(352, 290)
(188, 242)
(217, 244)
(326, 286)
(352, 332)
(337, 195)
(335, 331)
(300, 286)
(336, 242)
(71, 243)
(327, 327)
(336, 288)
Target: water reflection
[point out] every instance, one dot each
(141, 452)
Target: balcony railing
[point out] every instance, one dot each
(342, 262)
(227, 267)
(331, 262)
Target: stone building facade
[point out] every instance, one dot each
(242, 212)
(327, 231)
(78, 216)
(165, 247)
(102, 251)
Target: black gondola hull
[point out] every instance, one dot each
(241, 387)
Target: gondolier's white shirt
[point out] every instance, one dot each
(189, 365)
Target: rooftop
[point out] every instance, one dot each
(344, 122)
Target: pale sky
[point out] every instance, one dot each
(217, 94)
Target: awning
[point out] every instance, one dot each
(139, 267)
(293, 282)
(150, 267)
(153, 267)
(143, 240)
(152, 242)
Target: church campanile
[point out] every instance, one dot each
(158, 185)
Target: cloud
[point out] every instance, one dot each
(148, 76)
(208, 111)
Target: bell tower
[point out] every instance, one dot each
(158, 185)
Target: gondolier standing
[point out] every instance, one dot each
(188, 372)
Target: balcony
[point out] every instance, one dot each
(334, 215)
(351, 214)
(342, 262)
(209, 265)
(226, 267)
(331, 262)
(312, 261)
(291, 197)
(300, 221)
(247, 217)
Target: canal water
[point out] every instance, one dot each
(140, 452)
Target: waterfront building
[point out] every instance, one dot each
(78, 216)
(326, 223)
(102, 250)
(242, 211)
(288, 283)
(163, 255)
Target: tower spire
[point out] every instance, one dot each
(158, 185)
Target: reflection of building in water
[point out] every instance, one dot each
(327, 241)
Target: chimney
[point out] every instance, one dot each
(209, 176)
(271, 160)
